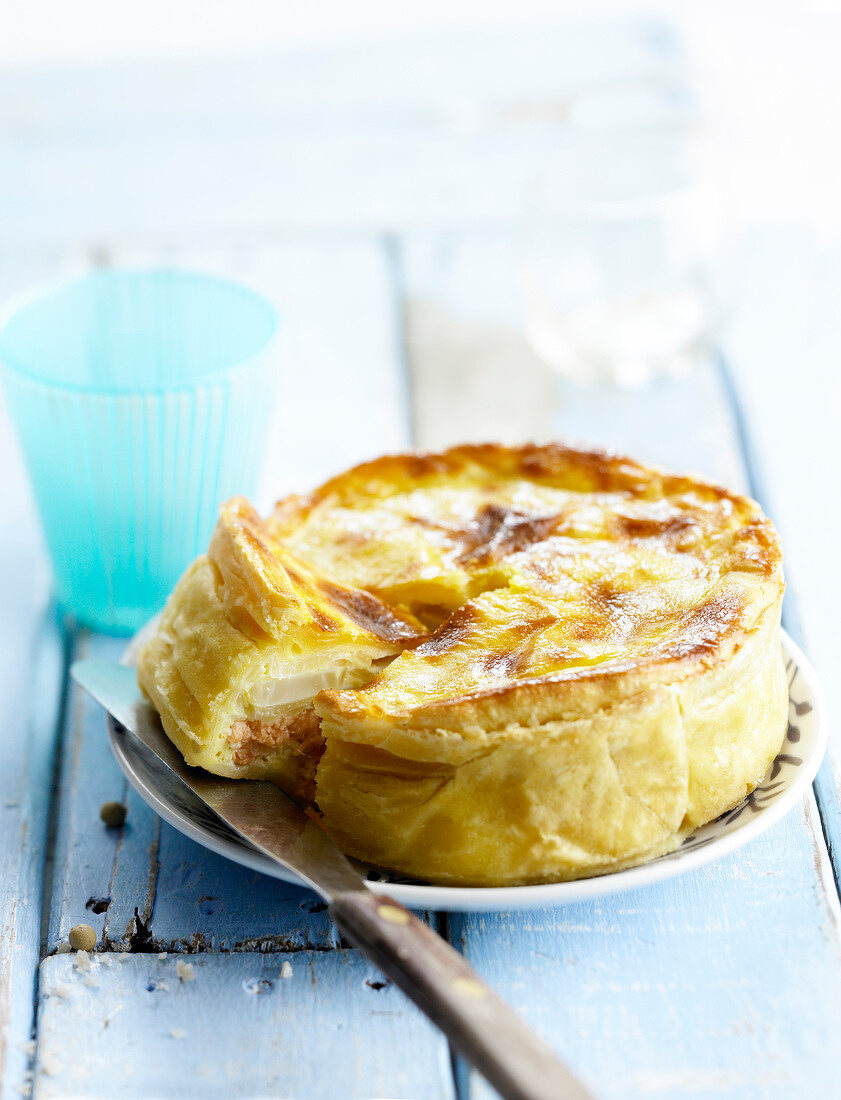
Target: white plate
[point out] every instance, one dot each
(785, 784)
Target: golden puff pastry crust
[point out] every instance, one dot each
(566, 660)
(247, 638)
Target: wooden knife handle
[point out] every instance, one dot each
(438, 979)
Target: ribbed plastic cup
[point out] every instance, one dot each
(142, 400)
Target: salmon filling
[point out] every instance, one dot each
(253, 738)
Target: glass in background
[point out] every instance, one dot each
(615, 259)
(141, 400)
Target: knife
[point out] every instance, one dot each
(434, 975)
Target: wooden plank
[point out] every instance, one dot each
(825, 785)
(679, 989)
(27, 743)
(410, 80)
(242, 1025)
(31, 687)
(644, 423)
(724, 984)
(794, 279)
(85, 849)
(353, 136)
(782, 349)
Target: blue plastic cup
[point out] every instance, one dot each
(142, 400)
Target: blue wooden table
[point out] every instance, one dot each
(396, 277)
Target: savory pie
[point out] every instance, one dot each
(491, 665)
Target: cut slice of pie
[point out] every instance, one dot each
(247, 640)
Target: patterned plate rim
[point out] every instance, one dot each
(696, 850)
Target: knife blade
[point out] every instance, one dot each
(433, 974)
